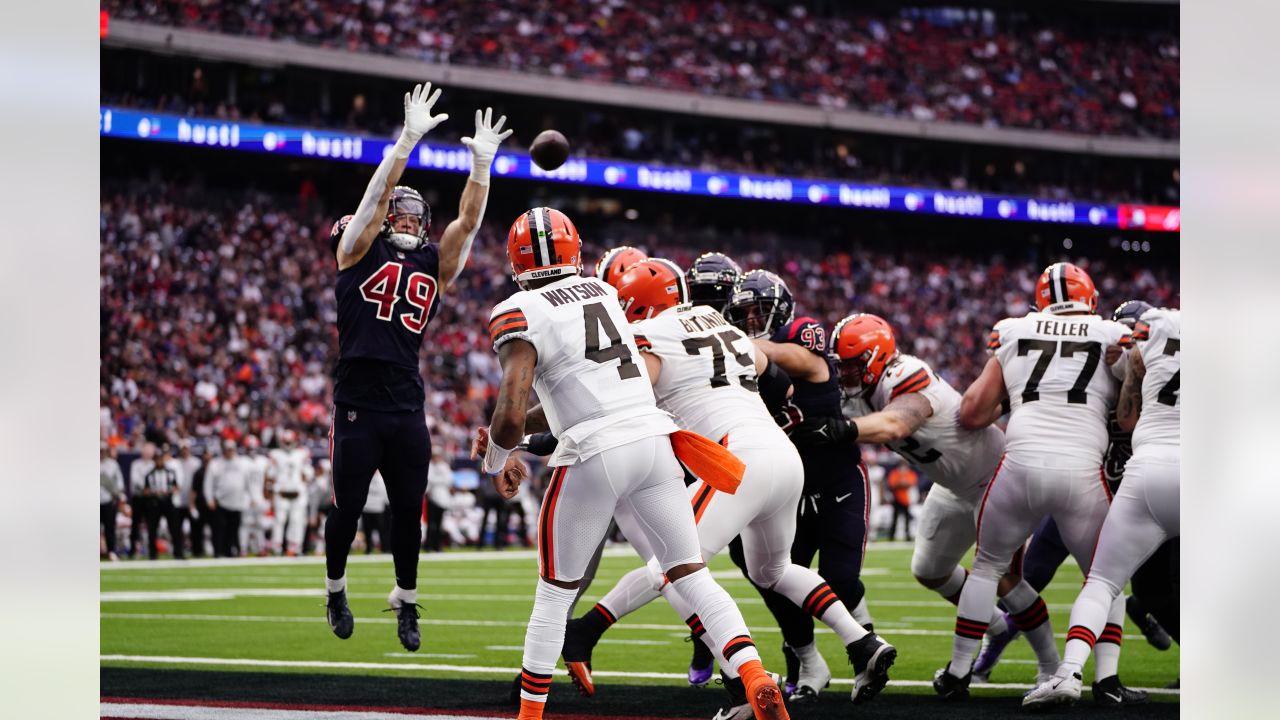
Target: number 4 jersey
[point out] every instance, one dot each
(957, 459)
(590, 379)
(384, 303)
(1060, 387)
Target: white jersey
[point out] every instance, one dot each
(708, 378)
(590, 379)
(1060, 387)
(1158, 336)
(957, 459)
(290, 469)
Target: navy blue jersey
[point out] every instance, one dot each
(384, 304)
(824, 465)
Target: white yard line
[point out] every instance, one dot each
(482, 670)
(204, 712)
(679, 629)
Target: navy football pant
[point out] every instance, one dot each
(832, 524)
(397, 444)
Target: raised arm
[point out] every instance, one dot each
(455, 243)
(982, 403)
(366, 223)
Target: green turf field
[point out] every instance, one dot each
(270, 617)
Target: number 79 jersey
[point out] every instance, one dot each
(1060, 387)
(708, 378)
(589, 377)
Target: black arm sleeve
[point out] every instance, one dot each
(542, 444)
(774, 384)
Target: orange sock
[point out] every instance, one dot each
(752, 672)
(531, 710)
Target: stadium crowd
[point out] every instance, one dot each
(941, 64)
(217, 319)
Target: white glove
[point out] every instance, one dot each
(484, 144)
(418, 119)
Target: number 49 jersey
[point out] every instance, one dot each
(1060, 387)
(708, 378)
(1158, 336)
(590, 379)
(384, 303)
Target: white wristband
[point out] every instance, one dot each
(480, 169)
(405, 145)
(495, 457)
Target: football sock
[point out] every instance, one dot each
(685, 609)
(720, 616)
(950, 590)
(972, 618)
(1029, 614)
(399, 596)
(1106, 661)
(543, 640)
(334, 586)
(597, 620)
(633, 591)
(807, 589)
(861, 614)
(1089, 621)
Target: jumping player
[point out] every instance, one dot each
(566, 336)
(390, 279)
(1049, 365)
(1144, 513)
(705, 373)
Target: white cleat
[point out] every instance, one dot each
(814, 674)
(1057, 690)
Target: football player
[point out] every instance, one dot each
(712, 278)
(1049, 365)
(616, 261)
(898, 400)
(566, 336)
(832, 516)
(705, 374)
(289, 468)
(389, 282)
(1144, 513)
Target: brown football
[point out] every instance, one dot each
(549, 150)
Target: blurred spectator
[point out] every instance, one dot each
(981, 67)
(319, 504)
(226, 491)
(373, 519)
(138, 496)
(201, 513)
(110, 497)
(439, 488)
(184, 502)
(901, 481)
(254, 522)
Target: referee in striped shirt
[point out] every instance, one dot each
(160, 490)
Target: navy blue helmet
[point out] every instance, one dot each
(761, 303)
(405, 201)
(1128, 312)
(711, 280)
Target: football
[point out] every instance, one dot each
(549, 150)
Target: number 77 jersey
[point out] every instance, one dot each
(589, 377)
(1060, 387)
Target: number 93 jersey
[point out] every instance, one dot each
(708, 378)
(1158, 336)
(593, 386)
(959, 460)
(1060, 387)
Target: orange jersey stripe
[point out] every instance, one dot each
(916, 382)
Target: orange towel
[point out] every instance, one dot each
(708, 461)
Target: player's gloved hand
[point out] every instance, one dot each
(418, 120)
(824, 431)
(484, 144)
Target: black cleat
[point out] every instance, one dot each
(702, 664)
(579, 641)
(1108, 692)
(407, 625)
(793, 670)
(949, 687)
(514, 697)
(1150, 627)
(871, 658)
(340, 619)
